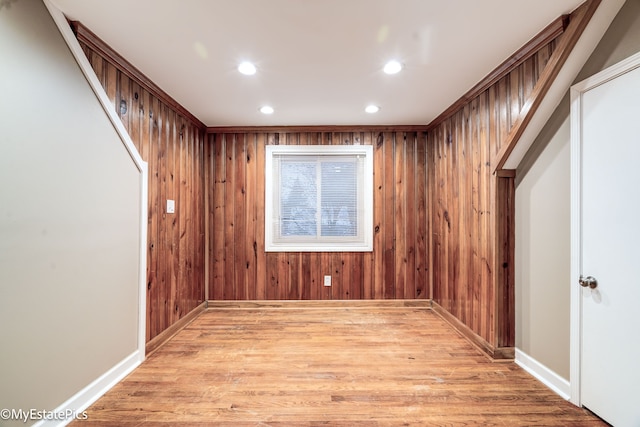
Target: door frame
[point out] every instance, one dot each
(577, 92)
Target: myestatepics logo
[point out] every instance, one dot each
(25, 415)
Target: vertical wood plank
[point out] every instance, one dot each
(389, 212)
(516, 96)
(251, 244)
(201, 257)
(163, 274)
(111, 84)
(184, 214)
(135, 109)
(153, 238)
(530, 76)
(505, 295)
(469, 235)
(410, 235)
(216, 290)
(272, 257)
(422, 223)
(240, 262)
(457, 294)
(197, 245)
(261, 260)
(469, 136)
(447, 191)
(400, 215)
(229, 284)
(124, 100)
(209, 257)
(307, 281)
(486, 231)
(368, 291)
(174, 220)
(272, 275)
(378, 217)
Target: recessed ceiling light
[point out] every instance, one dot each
(371, 109)
(392, 67)
(247, 68)
(267, 109)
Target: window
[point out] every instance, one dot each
(319, 198)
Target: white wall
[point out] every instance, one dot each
(543, 215)
(543, 252)
(70, 206)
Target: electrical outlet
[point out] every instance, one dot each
(327, 280)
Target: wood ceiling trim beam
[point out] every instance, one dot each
(86, 36)
(578, 21)
(544, 37)
(327, 128)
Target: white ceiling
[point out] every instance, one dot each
(319, 61)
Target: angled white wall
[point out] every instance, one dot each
(543, 219)
(72, 196)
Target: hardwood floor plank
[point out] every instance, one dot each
(330, 366)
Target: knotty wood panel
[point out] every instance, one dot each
(472, 208)
(577, 22)
(241, 269)
(471, 213)
(171, 141)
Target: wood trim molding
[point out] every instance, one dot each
(546, 36)
(577, 24)
(504, 315)
(322, 304)
(86, 36)
(495, 353)
(506, 173)
(172, 330)
(327, 128)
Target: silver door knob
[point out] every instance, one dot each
(588, 281)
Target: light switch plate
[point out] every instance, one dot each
(171, 206)
(327, 280)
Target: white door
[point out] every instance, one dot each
(608, 254)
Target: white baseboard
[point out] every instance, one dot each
(85, 397)
(543, 374)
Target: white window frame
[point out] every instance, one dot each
(275, 243)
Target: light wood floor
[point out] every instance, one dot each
(328, 366)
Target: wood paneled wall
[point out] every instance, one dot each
(171, 141)
(239, 268)
(472, 209)
(443, 208)
(472, 197)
